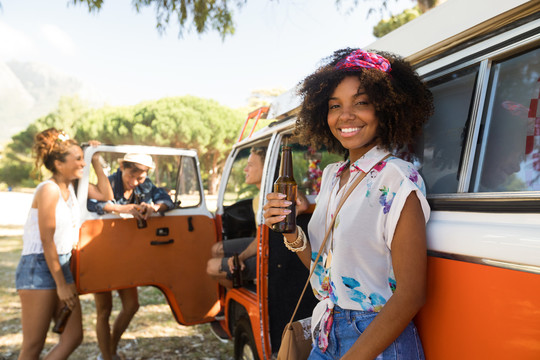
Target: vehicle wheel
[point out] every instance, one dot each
(244, 343)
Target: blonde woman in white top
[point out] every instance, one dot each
(43, 277)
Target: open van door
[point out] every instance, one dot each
(170, 253)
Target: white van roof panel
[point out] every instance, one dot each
(452, 18)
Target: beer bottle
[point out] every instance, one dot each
(285, 184)
(141, 223)
(237, 274)
(61, 321)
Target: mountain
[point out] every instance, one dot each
(29, 91)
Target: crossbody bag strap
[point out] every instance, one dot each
(341, 202)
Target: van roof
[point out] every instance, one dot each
(451, 23)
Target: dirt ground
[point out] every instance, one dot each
(153, 333)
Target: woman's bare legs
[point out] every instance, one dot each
(71, 338)
(37, 310)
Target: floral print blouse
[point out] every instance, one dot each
(360, 275)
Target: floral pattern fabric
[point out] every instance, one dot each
(360, 275)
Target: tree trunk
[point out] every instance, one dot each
(215, 173)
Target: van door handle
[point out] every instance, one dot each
(190, 224)
(157, 242)
(162, 231)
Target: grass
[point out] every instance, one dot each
(152, 334)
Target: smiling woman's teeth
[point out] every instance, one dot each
(349, 130)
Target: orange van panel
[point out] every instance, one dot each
(107, 261)
(479, 312)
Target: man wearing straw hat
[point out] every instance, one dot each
(135, 194)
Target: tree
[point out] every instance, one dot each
(263, 97)
(387, 25)
(183, 122)
(197, 123)
(217, 15)
(201, 15)
(16, 165)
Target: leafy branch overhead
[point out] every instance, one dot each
(218, 15)
(200, 15)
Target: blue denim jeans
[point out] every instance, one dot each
(350, 324)
(33, 272)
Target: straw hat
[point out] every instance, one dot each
(141, 159)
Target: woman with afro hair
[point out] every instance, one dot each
(371, 277)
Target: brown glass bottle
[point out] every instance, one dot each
(61, 320)
(141, 223)
(237, 274)
(285, 184)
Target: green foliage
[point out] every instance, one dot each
(198, 15)
(263, 97)
(13, 172)
(186, 122)
(387, 25)
(217, 15)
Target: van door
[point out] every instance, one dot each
(170, 253)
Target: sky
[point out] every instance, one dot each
(121, 57)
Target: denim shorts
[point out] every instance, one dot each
(33, 273)
(348, 326)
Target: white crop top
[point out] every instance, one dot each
(66, 233)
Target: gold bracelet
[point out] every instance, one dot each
(300, 238)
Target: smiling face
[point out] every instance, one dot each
(72, 166)
(133, 175)
(351, 117)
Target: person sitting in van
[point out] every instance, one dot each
(128, 183)
(221, 265)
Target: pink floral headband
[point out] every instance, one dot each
(360, 59)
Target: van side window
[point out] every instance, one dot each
(237, 189)
(188, 191)
(308, 165)
(445, 132)
(176, 175)
(508, 149)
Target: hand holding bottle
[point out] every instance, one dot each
(62, 319)
(286, 185)
(141, 220)
(236, 271)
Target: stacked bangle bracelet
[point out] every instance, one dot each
(300, 239)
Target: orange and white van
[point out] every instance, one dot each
(479, 156)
